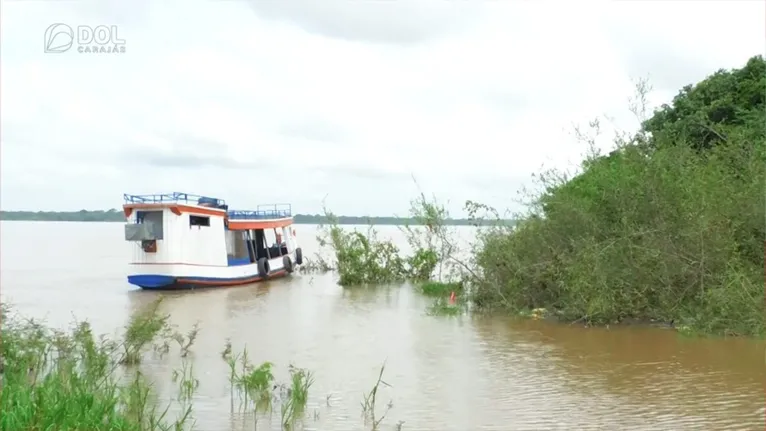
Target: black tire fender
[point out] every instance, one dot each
(263, 267)
(299, 256)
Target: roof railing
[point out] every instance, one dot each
(263, 212)
(174, 197)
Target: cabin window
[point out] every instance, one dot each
(153, 217)
(199, 220)
(147, 226)
(149, 217)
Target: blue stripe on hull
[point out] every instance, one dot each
(162, 282)
(150, 281)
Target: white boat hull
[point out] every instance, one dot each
(185, 276)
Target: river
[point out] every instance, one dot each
(446, 373)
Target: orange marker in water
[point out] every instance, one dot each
(452, 298)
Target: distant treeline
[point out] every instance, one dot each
(114, 215)
(82, 215)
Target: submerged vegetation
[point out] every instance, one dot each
(669, 226)
(364, 259)
(438, 289)
(258, 393)
(54, 379)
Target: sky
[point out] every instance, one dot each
(338, 102)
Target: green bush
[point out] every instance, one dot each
(364, 259)
(670, 226)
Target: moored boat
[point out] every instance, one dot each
(180, 240)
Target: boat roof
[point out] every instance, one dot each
(265, 216)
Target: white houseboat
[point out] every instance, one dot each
(180, 240)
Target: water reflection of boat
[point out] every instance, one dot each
(182, 240)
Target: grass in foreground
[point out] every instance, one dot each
(52, 379)
(72, 380)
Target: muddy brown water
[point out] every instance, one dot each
(446, 373)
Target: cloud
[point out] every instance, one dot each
(188, 152)
(348, 99)
(382, 21)
(675, 44)
(313, 130)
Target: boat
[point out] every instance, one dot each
(181, 240)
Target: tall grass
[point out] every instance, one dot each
(258, 391)
(370, 400)
(53, 379)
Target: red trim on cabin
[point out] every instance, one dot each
(200, 210)
(259, 224)
(177, 209)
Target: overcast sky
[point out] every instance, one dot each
(290, 101)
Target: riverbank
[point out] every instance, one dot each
(667, 227)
